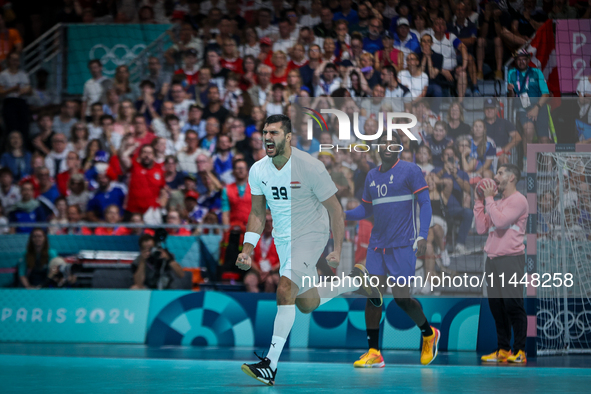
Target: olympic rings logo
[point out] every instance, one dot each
(553, 326)
(118, 55)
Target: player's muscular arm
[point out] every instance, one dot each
(256, 220)
(256, 224)
(337, 225)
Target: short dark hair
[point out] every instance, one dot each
(103, 117)
(513, 169)
(279, 118)
(235, 162)
(144, 238)
(6, 170)
(97, 61)
(148, 83)
(278, 86)
(391, 69)
(170, 117)
(97, 103)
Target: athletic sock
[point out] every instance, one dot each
(373, 338)
(426, 329)
(283, 323)
(326, 292)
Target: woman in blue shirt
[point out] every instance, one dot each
(478, 156)
(32, 269)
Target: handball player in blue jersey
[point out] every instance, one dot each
(391, 194)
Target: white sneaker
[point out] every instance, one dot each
(460, 249)
(426, 289)
(445, 260)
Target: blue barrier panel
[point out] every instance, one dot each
(244, 319)
(116, 316)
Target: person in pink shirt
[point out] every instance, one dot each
(504, 221)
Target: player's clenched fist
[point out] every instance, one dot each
(333, 259)
(243, 261)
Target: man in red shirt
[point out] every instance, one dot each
(63, 178)
(190, 69)
(230, 58)
(141, 133)
(146, 180)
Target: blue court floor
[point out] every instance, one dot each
(49, 368)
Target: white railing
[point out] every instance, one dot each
(138, 67)
(47, 52)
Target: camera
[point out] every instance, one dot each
(158, 270)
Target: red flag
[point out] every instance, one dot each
(542, 48)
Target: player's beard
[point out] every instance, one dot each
(280, 148)
(388, 158)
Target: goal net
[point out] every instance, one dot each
(564, 251)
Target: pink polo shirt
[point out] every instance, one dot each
(505, 222)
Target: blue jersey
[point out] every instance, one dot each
(394, 202)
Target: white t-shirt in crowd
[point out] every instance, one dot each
(414, 84)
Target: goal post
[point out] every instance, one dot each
(559, 243)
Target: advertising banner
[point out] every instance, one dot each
(573, 49)
(113, 45)
(117, 316)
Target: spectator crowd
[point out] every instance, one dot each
(176, 146)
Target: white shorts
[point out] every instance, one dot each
(440, 221)
(299, 258)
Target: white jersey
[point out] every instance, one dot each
(294, 194)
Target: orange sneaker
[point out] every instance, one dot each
(372, 359)
(499, 356)
(518, 358)
(430, 344)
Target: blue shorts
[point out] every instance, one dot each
(393, 262)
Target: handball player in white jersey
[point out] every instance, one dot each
(302, 198)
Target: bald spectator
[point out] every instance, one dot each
(258, 93)
(55, 160)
